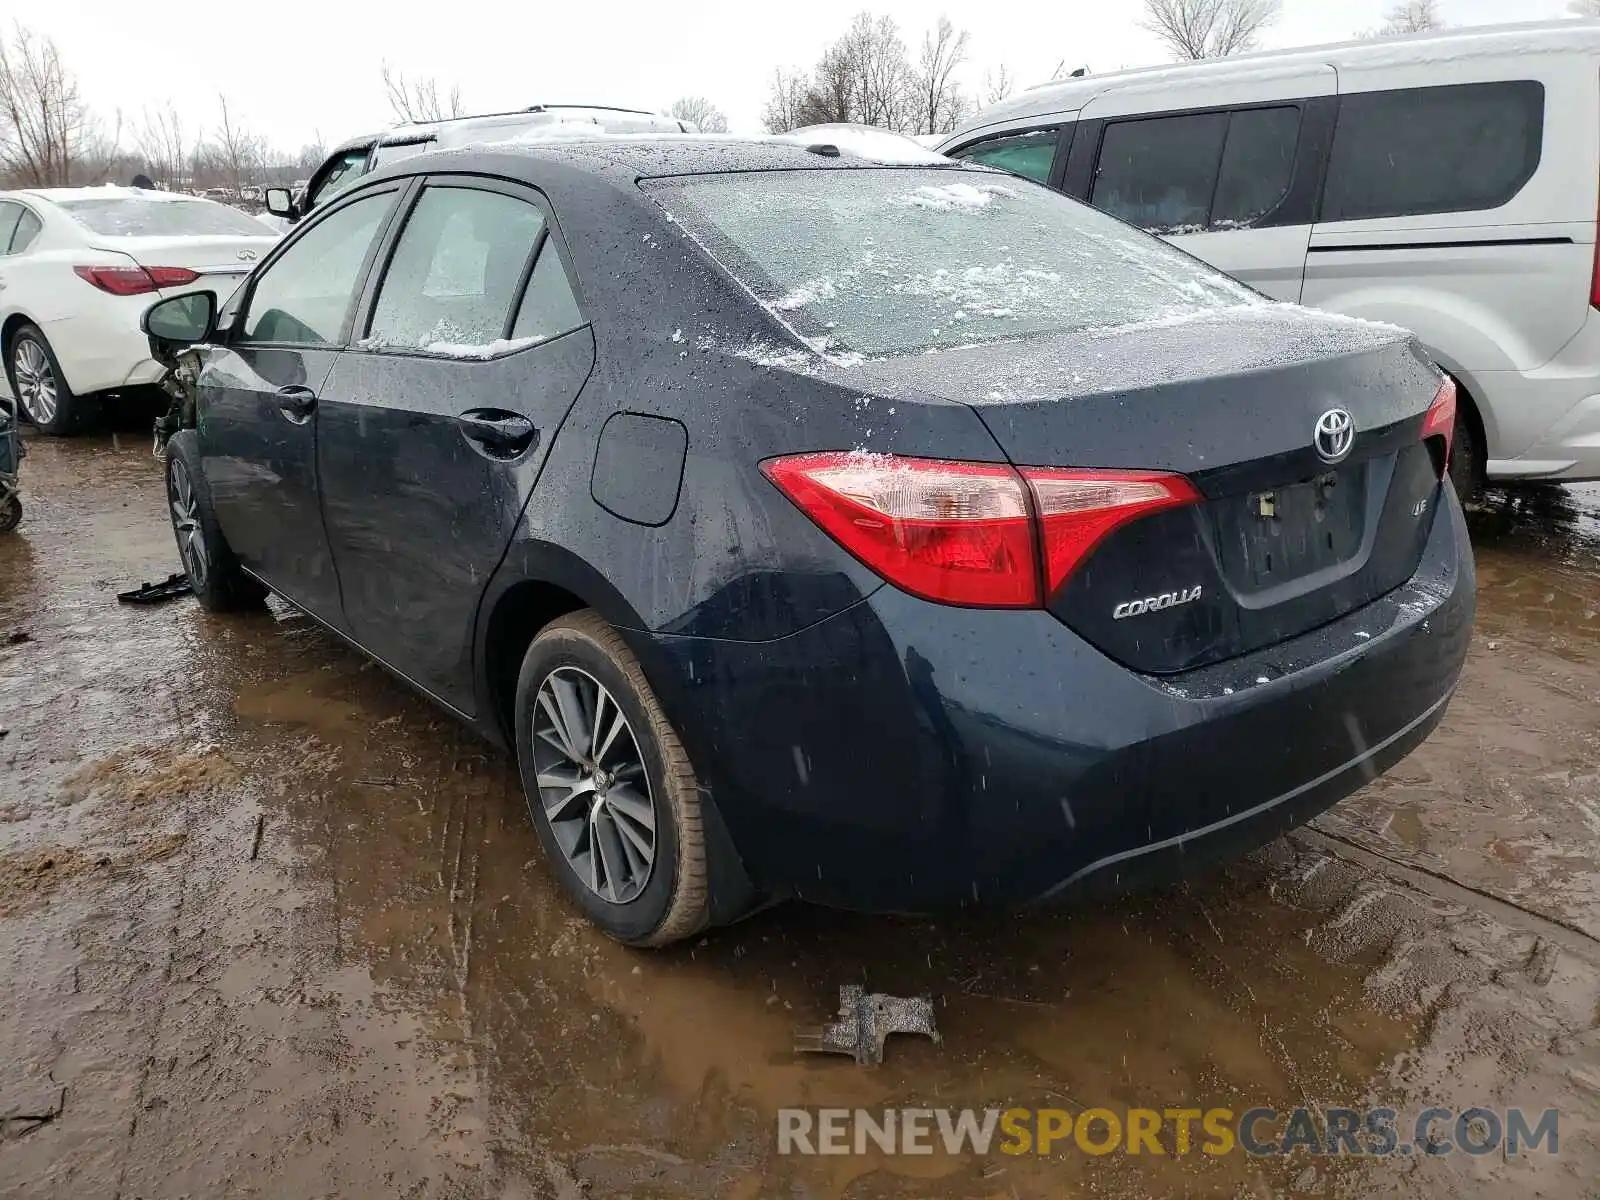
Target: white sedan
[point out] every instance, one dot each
(77, 268)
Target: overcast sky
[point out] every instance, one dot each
(303, 70)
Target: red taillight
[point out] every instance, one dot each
(1078, 508)
(968, 533)
(135, 281)
(1440, 420)
(954, 532)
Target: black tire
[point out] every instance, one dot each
(219, 583)
(31, 364)
(10, 514)
(1468, 464)
(672, 901)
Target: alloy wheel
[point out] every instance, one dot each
(36, 382)
(593, 784)
(186, 523)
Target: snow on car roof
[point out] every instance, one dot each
(110, 191)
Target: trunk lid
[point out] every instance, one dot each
(1283, 541)
(221, 260)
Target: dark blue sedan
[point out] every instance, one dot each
(890, 535)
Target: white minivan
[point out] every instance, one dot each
(1447, 182)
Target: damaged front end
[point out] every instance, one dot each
(181, 384)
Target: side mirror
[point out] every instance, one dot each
(280, 202)
(181, 320)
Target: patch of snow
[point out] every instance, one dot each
(443, 341)
(864, 141)
(808, 293)
(951, 197)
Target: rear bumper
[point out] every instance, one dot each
(104, 351)
(906, 756)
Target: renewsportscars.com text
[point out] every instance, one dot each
(1175, 1131)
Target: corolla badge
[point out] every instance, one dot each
(1150, 604)
(1334, 435)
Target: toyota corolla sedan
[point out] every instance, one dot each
(891, 536)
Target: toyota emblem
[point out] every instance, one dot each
(1335, 433)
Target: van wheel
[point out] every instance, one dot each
(610, 789)
(215, 576)
(1467, 461)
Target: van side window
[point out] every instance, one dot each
(1027, 154)
(1257, 164)
(1433, 150)
(1160, 172)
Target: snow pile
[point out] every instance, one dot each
(953, 197)
(448, 340)
(864, 141)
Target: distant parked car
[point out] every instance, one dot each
(79, 265)
(356, 157)
(1445, 182)
(813, 525)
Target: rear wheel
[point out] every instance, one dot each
(39, 385)
(219, 583)
(1468, 464)
(10, 514)
(610, 789)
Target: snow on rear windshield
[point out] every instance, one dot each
(886, 261)
(161, 218)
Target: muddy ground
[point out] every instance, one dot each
(269, 925)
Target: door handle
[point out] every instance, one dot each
(502, 434)
(297, 402)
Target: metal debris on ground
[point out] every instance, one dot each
(170, 588)
(866, 1020)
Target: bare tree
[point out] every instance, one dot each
(997, 84)
(1584, 8)
(45, 127)
(883, 86)
(238, 154)
(161, 141)
(785, 101)
(1209, 28)
(700, 112)
(939, 104)
(1411, 16)
(419, 99)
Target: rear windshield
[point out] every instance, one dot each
(882, 261)
(134, 217)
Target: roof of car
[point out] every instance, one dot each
(108, 191)
(1531, 37)
(629, 157)
(533, 115)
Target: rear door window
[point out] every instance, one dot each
(1027, 154)
(28, 227)
(1433, 150)
(10, 214)
(1160, 173)
(1257, 164)
(548, 306)
(1198, 171)
(455, 273)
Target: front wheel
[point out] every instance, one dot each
(610, 789)
(217, 579)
